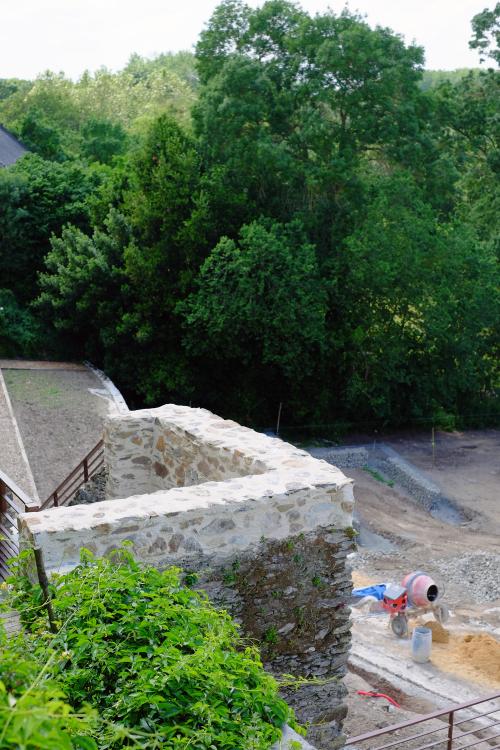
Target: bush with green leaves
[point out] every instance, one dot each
(19, 331)
(162, 667)
(34, 711)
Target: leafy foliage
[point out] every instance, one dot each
(37, 199)
(297, 214)
(34, 710)
(159, 664)
(408, 277)
(19, 333)
(265, 291)
(486, 28)
(84, 277)
(433, 78)
(55, 116)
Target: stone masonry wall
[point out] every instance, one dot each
(291, 598)
(175, 446)
(264, 526)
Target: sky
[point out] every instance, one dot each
(74, 35)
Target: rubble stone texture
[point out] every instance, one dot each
(261, 526)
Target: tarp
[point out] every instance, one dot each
(377, 591)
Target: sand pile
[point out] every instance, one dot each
(439, 634)
(360, 580)
(473, 657)
(482, 652)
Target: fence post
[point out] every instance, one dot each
(3, 491)
(44, 584)
(278, 420)
(451, 715)
(56, 500)
(3, 508)
(85, 470)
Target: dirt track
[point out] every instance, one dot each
(399, 536)
(414, 539)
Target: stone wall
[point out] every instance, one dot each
(345, 457)
(291, 598)
(264, 527)
(175, 446)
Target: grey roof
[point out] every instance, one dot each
(10, 148)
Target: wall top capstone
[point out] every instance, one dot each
(185, 482)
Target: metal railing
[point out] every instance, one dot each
(13, 501)
(78, 477)
(474, 728)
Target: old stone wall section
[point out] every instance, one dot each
(176, 446)
(265, 527)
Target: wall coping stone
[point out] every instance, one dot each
(286, 476)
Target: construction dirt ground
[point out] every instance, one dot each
(458, 545)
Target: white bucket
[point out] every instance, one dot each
(421, 644)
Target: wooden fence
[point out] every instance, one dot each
(13, 501)
(86, 469)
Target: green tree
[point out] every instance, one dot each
(433, 78)
(421, 307)
(486, 34)
(289, 106)
(40, 136)
(19, 331)
(103, 140)
(260, 305)
(323, 230)
(37, 198)
(162, 260)
(45, 116)
(115, 292)
(9, 86)
(84, 286)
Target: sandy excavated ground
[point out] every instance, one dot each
(400, 536)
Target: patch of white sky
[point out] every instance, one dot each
(75, 35)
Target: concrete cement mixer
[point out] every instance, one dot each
(423, 597)
(418, 594)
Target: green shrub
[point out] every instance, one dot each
(444, 420)
(19, 331)
(161, 665)
(34, 711)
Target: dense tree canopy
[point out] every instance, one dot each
(297, 214)
(37, 198)
(265, 292)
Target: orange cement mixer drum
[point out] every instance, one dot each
(422, 590)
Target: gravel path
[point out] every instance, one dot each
(60, 417)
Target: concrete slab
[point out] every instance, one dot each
(375, 650)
